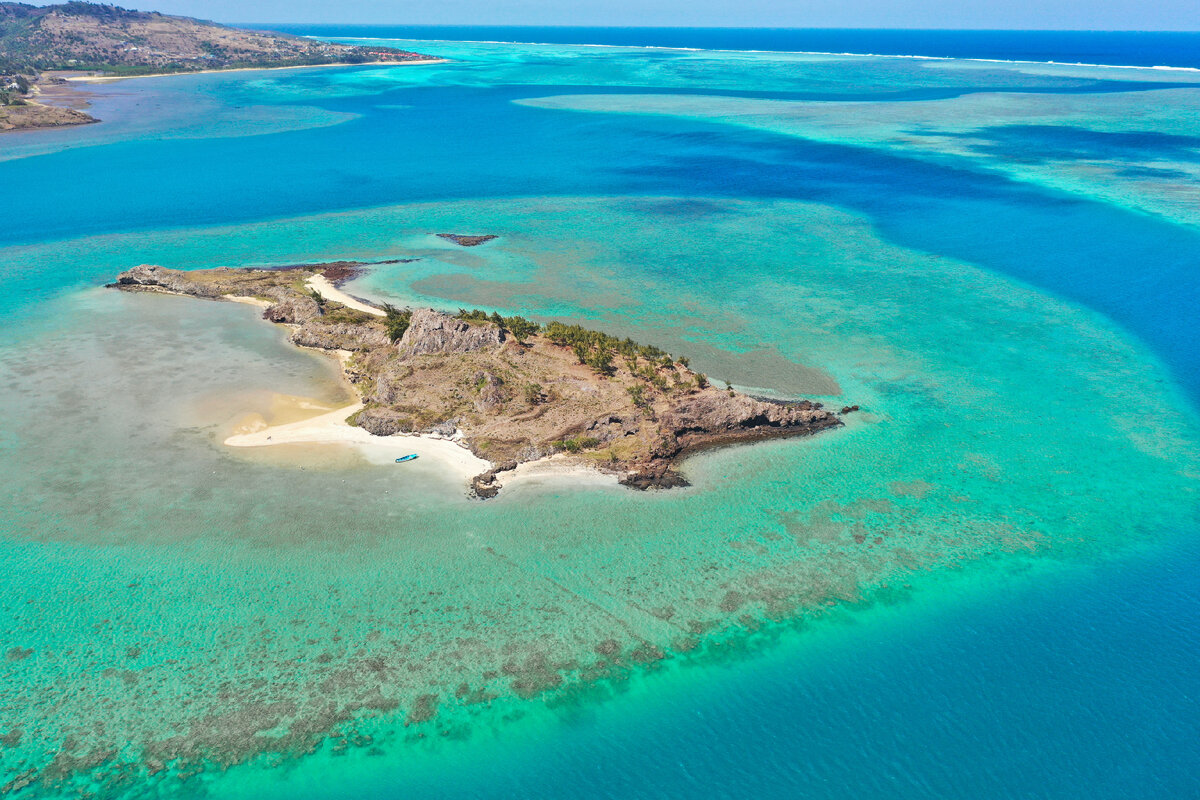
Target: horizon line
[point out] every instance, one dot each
(711, 27)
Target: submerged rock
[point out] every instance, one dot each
(467, 240)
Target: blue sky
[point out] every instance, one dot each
(1027, 14)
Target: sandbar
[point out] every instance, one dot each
(322, 286)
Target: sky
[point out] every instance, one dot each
(1017, 14)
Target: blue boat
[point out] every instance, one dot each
(409, 457)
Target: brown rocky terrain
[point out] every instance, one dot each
(32, 114)
(516, 391)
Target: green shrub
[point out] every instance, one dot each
(396, 321)
(475, 315)
(519, 327)
(638, 394)
(576, 443)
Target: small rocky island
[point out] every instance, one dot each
(510, 389)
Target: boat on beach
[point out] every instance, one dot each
(409, 457)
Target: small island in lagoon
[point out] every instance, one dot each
(511, 390)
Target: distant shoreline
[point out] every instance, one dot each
(111, 78)
(57, 106)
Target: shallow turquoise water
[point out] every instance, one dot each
(998, 263)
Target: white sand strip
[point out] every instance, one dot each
(556, 469)
(331, 428)
(248, 301)
(446, 456)
(321, 285)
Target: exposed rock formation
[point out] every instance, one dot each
(434, 332)
(31, 114)
(510, 401)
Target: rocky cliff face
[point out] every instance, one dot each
(510, 401)
(434, 332)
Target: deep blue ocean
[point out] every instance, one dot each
(652, 181)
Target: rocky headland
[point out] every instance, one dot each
(511, 390)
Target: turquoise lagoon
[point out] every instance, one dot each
(984, 586)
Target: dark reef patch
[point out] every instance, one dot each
(467, 240)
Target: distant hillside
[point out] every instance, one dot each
(88, 36)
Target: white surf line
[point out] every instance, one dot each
(321, 285)
(769, 52)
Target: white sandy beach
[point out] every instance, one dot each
(321, 285)
(555, 469)
(332, 428)
(246, 301)
(445, 455)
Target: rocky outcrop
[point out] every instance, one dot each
(654, 476)
(434, 332)
(492, 395)
(360, 337)
(716, 413)
(713, 419)
(384, 421)
(32, 115)
(293, 311)
(149, 276)
(312, 325)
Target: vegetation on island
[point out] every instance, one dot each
(600, 351)
(518, 327)
(396, 320)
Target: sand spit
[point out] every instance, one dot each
(322, 286)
